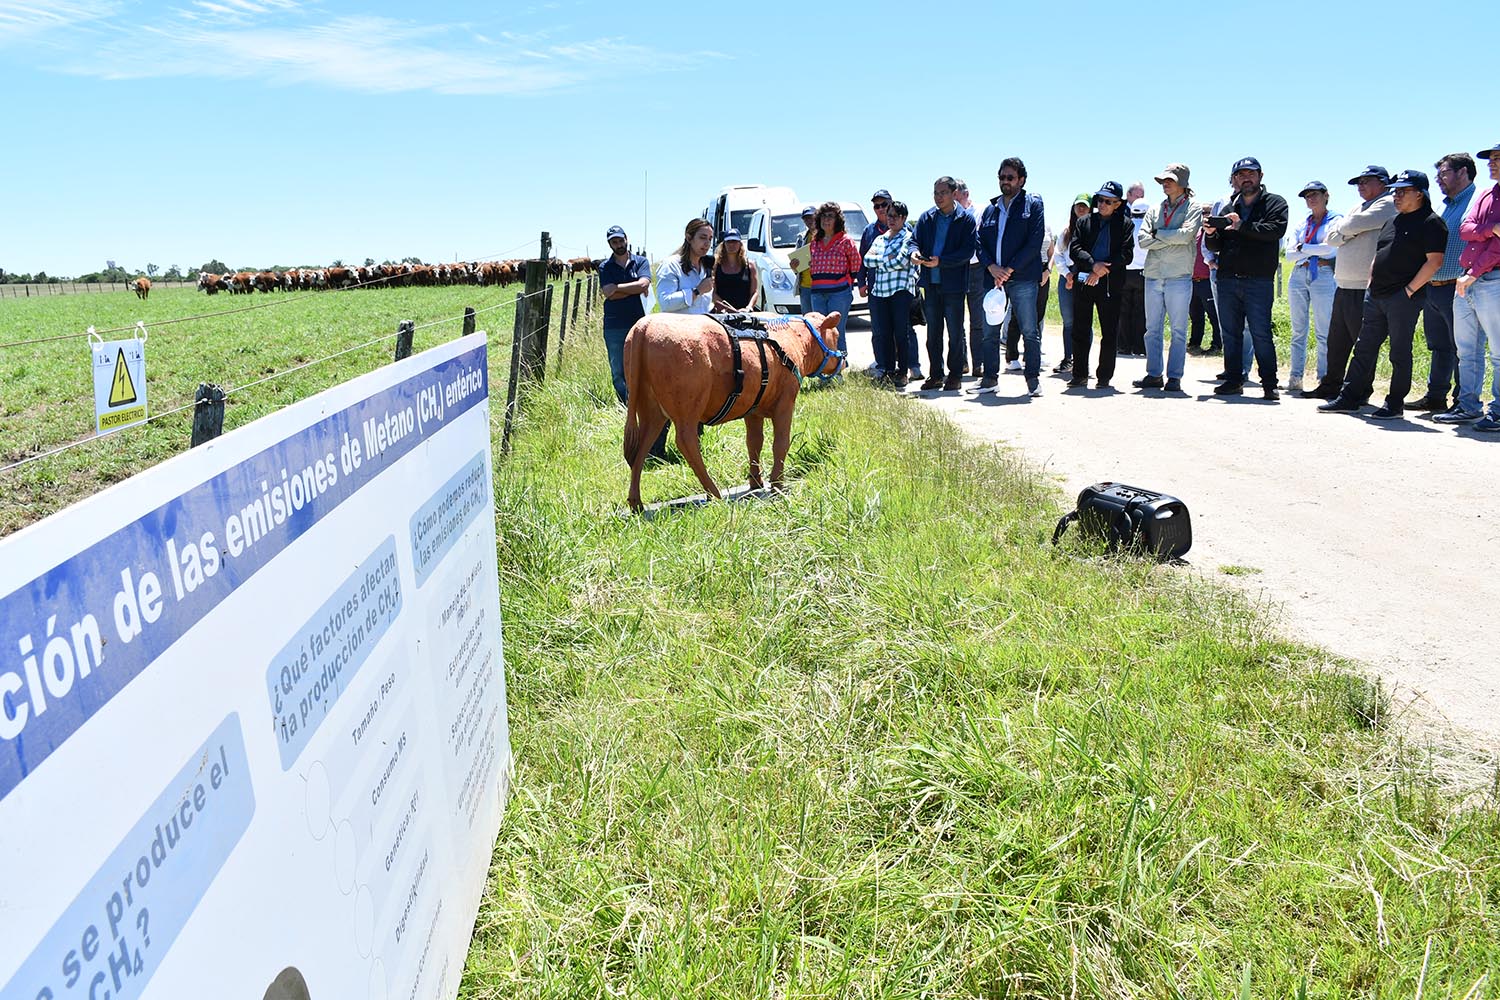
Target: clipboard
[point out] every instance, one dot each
(802, 255)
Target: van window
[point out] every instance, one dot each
(785, 230)
(855, 223)
(740, 219)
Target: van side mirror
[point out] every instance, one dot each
(756, 245)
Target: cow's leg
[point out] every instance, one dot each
(687, 443)
(781, 443)
(652, 423)
(755, 436)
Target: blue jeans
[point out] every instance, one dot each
(614, 345)
(1021, 303)
(804, 296)
(835, 302)
(890, 316)
(1065, 306)
(1167, 299)
(1245, 303)
(1304, 293)
(1476, 322)
(1437, 329)
(944, 307)
(1245, 350)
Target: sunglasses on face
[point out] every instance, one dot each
(1008, 178)
(881, 204)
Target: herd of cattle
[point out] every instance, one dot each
(491, 272)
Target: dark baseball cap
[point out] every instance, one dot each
(809, 210)
(1111, 189)
(882, 193)
(731, 234)
(1485, 154)
(1379, 173)
(1410, 179)
(1246, 163)
(615, 231)
(1312, 186)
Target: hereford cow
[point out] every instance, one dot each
(142, 287)
(580, 265)
(210, 283)
(266, 281)
(241, 283)
(681, 368)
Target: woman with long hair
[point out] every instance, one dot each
(685, 281)
(834, 267)
(736, 282)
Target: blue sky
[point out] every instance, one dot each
(298, 131)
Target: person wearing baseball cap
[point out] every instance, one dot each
(1169, 234)
(804, 279)
(1476, 310)
(1248, 244)
(1062, 266)
(880, 201)
(624, 278)
(1455, 177)
(1103, 244)
(1407, 255)
(1310, 287)
(1354, 235)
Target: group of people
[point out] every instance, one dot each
(1150, 271)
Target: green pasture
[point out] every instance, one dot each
(875, 738)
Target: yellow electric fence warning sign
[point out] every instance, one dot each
(119, 384)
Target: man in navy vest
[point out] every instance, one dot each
(1010, 252)
(944, 236)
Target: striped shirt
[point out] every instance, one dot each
(890, 264)
(835, 263)
(1453, 215)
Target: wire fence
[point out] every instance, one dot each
(534, 322)
(36, 290)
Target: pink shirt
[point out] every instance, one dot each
(1481, 246)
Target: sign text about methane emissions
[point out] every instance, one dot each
(252, 707)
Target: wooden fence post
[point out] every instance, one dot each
(515, 372)
(562, 317)
(405, 330)
(469, 320)
(544, 334)
(578, 300)
(208, 414)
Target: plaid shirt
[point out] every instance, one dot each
(890, 264)
(1453, 215)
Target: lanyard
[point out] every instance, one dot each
(1171, 213)
(1312, 229)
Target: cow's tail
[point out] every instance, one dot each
(635, 390)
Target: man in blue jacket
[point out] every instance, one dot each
(944, 237)
(1010, 251)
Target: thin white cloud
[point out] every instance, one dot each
(35, 17)
(275, 41)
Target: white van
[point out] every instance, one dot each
(772, 235)
(734, 205)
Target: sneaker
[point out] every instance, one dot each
(1487, 425)
(1063, 367)
(1458, 416)
(1323, 390)
(1221, 376)
(1013, 366)
(1101, 383)
(1428, 404)
(1339, 404)
(1269, 392)
(1387, 412)
(988, 382)
(1078, 383)
(936, 382)
(914, 374)
(1034, 390)
(1173, 385)
(899, 380)
(1149, 382)
(952, 382)
(1227, 388)
(1294, 385)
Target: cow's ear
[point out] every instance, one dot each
(830, 323)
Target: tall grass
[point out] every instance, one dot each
(878, 739)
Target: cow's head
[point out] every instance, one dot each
(825, 333)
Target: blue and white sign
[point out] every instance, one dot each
(252, 708)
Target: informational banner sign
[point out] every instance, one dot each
(119, 383)
(253, 736)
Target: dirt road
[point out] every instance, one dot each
(1379, 540)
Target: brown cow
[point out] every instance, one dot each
(142, 287)
(681, 368)
(211, 283)
(580, 265)
(267, 281)
(241, 283)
